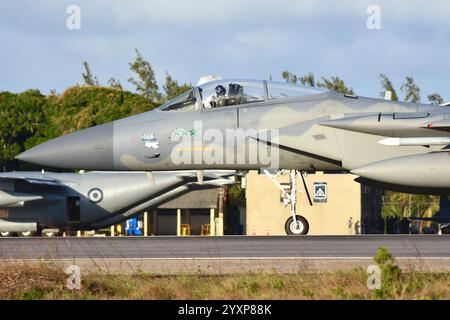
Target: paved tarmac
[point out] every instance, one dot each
(244, 247)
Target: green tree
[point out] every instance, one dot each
(22, 119)
(289, 76)
(113, 83)
(81, 107)
(411, 90)
(335, 84)
(145, 82)
(88, 77)
(435, 98)
(173, 89)
(387, 85)
(308, 80)
(404, 205)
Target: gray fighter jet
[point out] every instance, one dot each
(396, 145)
(33, 201)
(246, 124)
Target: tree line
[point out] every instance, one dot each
(409, 88)
(144, 81)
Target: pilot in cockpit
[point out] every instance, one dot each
(220, 98)
(216, 100)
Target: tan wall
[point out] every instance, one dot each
(266, 215)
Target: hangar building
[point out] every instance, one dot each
(340, 206)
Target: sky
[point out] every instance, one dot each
(230, 38)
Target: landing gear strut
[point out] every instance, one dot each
(296, 224)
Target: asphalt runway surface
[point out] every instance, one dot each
(228, 247)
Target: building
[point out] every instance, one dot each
(197, 212)
(340, 206)
(337, 209)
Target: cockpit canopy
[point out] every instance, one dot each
(224, 93)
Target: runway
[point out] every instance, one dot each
(224, 247)
(237, 253)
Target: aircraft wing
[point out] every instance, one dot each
(31, 178)
(11, 198)
(15, 199)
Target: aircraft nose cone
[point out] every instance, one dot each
(90, 149)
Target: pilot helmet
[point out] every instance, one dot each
(220, 90)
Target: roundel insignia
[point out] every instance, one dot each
(95, 195)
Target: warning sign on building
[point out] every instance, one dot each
(320, 192)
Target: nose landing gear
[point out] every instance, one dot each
(296, 224)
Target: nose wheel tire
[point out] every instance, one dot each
(5, 234)
(300, 227)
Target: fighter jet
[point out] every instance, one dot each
(251, 124)
(34, 201)
(397, 145)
